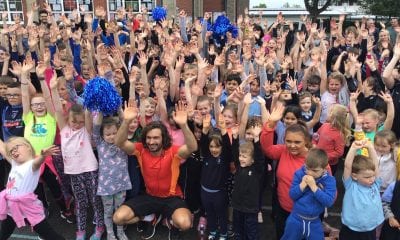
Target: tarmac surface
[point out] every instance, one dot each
(267, 229)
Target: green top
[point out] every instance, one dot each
(40, 131)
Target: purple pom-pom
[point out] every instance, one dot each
(100, 95)
(159, 13)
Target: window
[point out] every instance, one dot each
(67, 6)
(13, 8)
(136, 5)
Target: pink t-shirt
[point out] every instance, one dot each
(77, 151)
(176, 135)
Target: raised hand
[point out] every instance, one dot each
(54, 81)
(207, 122)
(131, 111)
(27, 66)
(16, 68)
(386, 97)
(247, 99)
(316, 100)
(40, 68)
(143, 58)
(218, 91)
(221, 122)
(180, 114)
(354, 95)
(277, 113)
(52, 150)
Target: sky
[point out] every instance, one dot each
(274, 3)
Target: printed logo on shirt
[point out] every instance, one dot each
(39, 130)
(12, 123)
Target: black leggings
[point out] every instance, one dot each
(52, 183)
(43, 229)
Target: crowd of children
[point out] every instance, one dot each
(205, 118)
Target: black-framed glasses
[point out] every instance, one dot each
(36, 105)
(15, 148)
(13, 95)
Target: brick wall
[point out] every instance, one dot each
(186, 5)
(214, 5)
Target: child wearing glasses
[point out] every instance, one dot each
(17, 201)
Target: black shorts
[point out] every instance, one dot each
(145, 204)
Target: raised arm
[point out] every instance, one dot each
(25, 79)
(3, 151)
(390, 110)
(180, 118)
(353, 105)
(121, 139)
(348, 162)
(40, 69)
(387, 74)
(317, 113)
(59, 112)
(52, 150)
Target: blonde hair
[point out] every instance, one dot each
(371, 113)
(247, 148)
(13, 141)
(340, 119)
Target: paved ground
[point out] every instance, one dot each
(266, 228)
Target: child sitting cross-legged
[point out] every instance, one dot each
(313, 189)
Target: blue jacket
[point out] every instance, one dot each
(308, 203)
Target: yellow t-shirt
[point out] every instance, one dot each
(40, 131)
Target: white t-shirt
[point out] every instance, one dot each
(22, 179)
(387, 170)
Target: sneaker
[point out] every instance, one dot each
(260, 217)
(121, 235)
(68, 216)
(223, 236)
(80, 235)
(212, 236)
(111, 236)
(140, 226)
(97, 234)
(202, 226)
(70, 203)
(231, 233)
(151, 230)
(173, 232)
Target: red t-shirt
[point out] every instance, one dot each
(331, 140)
(160, 173)
(288, 165)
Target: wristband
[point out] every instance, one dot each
(40, 78)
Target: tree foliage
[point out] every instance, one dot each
(261, 5)
(316, 7)
(389, 8)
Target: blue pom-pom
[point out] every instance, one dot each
(221, 25)
(234, 31)
(159, 13)
(100, 95)
(209, 26)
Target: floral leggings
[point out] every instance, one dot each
(110, 203)
(84, 187)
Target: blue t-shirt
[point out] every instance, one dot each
(362, 206)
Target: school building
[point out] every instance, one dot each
(194, 8)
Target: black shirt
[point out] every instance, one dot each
(215, 170)
(247, 187)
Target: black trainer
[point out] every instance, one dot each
(151, 230)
